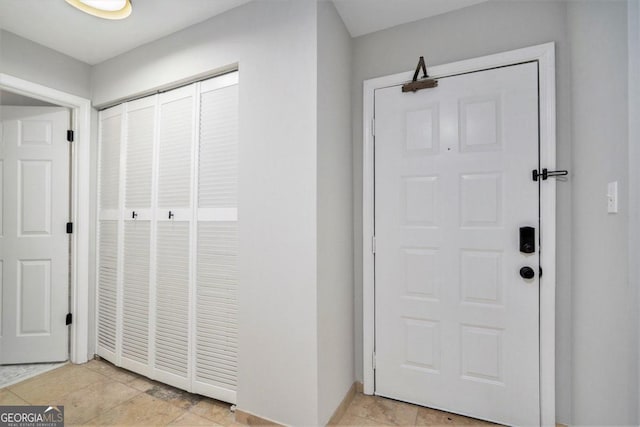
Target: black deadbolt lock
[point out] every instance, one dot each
(527, 240)
(527, 273)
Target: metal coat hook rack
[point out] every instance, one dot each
(424, 83)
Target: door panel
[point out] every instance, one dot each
(34, 193)
(456, 325)
(34, 297)
(34, 248)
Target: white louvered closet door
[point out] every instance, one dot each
(140, 122)
(109, 213)
(216, 331)
(168, 237)
(173, 241)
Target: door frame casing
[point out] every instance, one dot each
(80, 195)
(544, 54)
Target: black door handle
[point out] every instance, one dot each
(527, 273)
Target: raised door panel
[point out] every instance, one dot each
(34, 297)
(34, 188)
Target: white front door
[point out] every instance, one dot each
(34, 244)
(456, 323)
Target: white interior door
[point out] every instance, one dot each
(456, 324)
(34, 245)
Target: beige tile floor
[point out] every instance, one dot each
(98, 393)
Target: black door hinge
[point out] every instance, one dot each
(70, 135)
(547, 174)
(69, 228)
(69, 319)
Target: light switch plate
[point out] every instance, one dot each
(612, 197)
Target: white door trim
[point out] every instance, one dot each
(545, 55)
(80, 196)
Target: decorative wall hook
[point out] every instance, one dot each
(424, 83)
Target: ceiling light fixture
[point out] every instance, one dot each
(106, 9)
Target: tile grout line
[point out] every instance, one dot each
(215, 422)
(185, 411)
(114, 406)
(175, 405)
(11, 392)
(108, 380)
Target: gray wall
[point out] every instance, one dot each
(633, 48)
(604, 329)
(335, 225)
(478, 30)
(10, 98)
(30, 61)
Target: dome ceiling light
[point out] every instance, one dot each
(106, 9)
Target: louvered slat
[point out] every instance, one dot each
(172, 298)
(110, 161)
(176, 131)
(135, 321)
(218, 181)
(140, 126)
(107, 285)
(216, 306)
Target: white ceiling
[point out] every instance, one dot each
(57, 25)
(366, 16)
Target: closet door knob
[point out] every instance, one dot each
(171, 215)
(134, 215)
